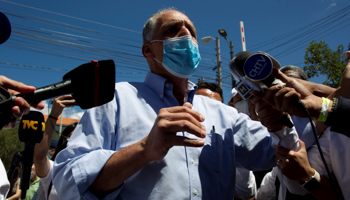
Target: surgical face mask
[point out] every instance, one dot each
(242, 107)
(180, 56)
(48, 155)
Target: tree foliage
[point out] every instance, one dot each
(321, 60)
(9, 145)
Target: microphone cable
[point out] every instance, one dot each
(301, 106)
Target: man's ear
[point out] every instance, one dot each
(147, 51)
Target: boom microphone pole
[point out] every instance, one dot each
(91, 85)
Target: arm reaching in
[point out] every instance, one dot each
(295, 166)
(41, 161)
(285, 99)
(21, 106)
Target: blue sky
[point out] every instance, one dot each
(49, 38)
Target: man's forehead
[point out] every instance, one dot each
(292, 73)
(172, 17)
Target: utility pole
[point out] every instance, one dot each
(218, 58)
(218, 61)
(223, 33)
(231, 54)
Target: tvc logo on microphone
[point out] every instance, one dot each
(31, 127)
(31, 124)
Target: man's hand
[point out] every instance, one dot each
(294, 164)
(252, 111)
(267, 114)
(285, 99)
(170, 121)
(22, 106)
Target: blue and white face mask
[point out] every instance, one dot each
(180, 56)
(48, 155)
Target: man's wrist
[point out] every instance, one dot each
(309, 173)
(315, 112)
(313, 182)
(322, 108)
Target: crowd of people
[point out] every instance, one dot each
(168, 138)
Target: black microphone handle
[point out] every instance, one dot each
(27, 163)
(47, 92)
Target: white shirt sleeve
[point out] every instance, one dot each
(267, 190)
(4, 183)
(245, 187)
(287, 138)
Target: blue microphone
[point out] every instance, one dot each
(255, 70)
(258, 68)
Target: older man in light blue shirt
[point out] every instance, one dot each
(156, 139)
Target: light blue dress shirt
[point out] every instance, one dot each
(207, 172)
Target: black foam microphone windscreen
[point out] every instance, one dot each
(30, 131)
(31, 127)
(94, 86)
(5, 28)
(91, 84)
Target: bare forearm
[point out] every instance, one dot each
(40, 159)
(317, 89)
(122, 165)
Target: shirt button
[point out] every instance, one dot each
(166, 85)
(161, 95)
(192, 161)
(195, 192)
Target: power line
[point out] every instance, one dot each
(71, 17)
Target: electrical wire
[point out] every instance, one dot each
(331, 178)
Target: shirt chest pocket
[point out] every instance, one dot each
(217, 153)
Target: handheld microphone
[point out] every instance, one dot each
(255, 71)
(91, 85)
(5, 28)
(30, 131)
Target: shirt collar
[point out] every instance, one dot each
(158, 84)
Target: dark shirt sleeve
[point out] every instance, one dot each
(339, 119)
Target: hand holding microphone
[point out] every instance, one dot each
(20, 105)
(255, 73)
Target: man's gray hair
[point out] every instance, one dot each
(149, 27)
(294, 68)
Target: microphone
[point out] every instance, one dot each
(30, 131)
(5, 28)
(255, 73)
(91, 84)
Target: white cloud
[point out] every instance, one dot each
(73, 112)
(332, 5)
